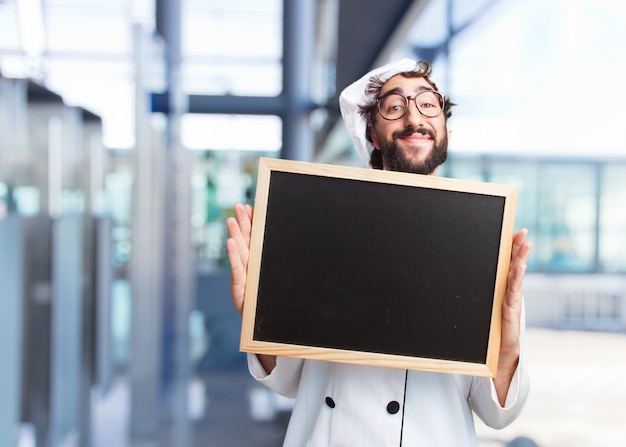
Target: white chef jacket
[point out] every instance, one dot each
(340, 404)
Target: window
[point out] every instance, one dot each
(566, 217)
(612, 235)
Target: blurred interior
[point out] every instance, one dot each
(129, 129)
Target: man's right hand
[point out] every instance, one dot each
(238, 247)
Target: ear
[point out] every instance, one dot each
(370, 129)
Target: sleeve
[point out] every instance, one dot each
(484, 399)
(284, 379)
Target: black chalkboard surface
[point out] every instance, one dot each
(373, 267)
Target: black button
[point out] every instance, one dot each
(393, 407)
(330, 402)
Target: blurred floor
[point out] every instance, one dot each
(578, 392)
(227, 419)
(578, 399)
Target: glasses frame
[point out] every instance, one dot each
(406, 101)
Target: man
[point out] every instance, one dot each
(397, 119)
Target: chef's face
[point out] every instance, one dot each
(413, 142)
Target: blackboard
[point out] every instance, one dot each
(373, 267)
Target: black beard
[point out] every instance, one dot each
(394, 159)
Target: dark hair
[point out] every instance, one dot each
(369, 110)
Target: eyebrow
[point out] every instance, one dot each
(398, 90)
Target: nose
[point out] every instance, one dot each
(413, 117)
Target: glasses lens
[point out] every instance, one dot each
(429, 103)
(392, 106)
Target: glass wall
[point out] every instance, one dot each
(566, 220)
(612, 234)
(220, 179)
(572, 209)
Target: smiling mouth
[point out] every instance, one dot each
(417, 140)
(417, 134)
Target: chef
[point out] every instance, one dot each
(397, 119)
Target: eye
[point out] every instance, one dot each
(393, 103)
(428, 100)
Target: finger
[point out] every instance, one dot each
(516, 277)
(249, 211)
(237, 267)
(520, 249)
(518, 240)
(517, 271)
(238, 274)
(243, 213)
(239, 239)
(521, 255)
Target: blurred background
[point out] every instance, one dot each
(128, 129)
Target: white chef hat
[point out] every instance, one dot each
(354, 95)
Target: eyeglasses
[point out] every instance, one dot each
(393, 106)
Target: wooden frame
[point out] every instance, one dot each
(379, 268)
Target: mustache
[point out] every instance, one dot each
(408, 131)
